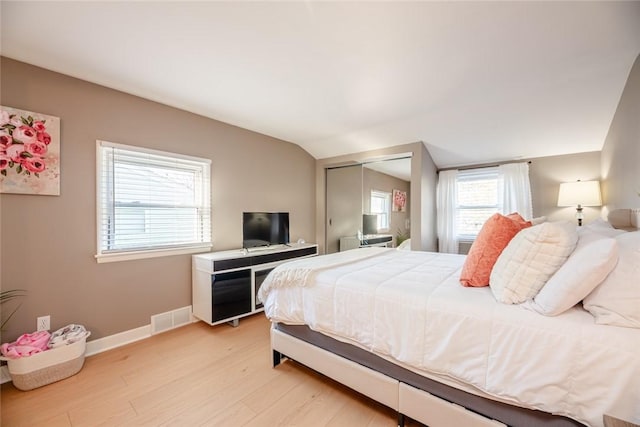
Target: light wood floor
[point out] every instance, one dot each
(196, 375)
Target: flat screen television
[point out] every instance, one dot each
(369, 224)
(264, 229)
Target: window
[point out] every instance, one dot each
(467, 198)
(381, 206)
(477, 200)
(151, 203)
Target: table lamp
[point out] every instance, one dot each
(579, 193)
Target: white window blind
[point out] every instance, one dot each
(151, 200)
(381, 206)
(477, 199)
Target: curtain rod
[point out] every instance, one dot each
(480, 167)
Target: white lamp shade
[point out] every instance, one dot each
(584, 193)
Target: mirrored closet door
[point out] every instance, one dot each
(344, 204)
(362, 193)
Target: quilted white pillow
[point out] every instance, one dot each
(530, 259)
(588, 265)
(616, 301)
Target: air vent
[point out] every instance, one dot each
(170, 320)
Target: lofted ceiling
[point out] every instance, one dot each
(475, 81)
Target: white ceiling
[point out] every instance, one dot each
(475, 81)
(398, 167)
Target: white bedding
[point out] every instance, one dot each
(408, 306)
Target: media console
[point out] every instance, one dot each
(225, 284)
(353, 242)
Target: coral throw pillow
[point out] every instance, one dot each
(493, 237)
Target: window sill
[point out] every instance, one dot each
(466, 239)
(128, 256)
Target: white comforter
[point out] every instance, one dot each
(409, 307)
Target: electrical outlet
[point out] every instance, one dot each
(44, 323)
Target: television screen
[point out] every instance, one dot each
(264, 229)
(369, 224)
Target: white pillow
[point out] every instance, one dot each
(602, 227)
(405, 245)
(530, 259)
(538, 220)
(592, 260)
(616, 301)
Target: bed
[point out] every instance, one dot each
(398, 327)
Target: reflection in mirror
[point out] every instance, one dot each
(368, 204)
(386, 186)
(344, 204)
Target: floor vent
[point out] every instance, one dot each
(171, 319)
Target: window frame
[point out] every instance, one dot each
(205, 230)
(387, 202)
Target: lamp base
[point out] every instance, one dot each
(579, 215)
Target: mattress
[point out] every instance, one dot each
(408, 307)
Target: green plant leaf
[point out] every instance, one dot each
(4, 322)
(6, 296)
(11, 294)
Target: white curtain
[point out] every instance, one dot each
(446, 212)
(514, 189)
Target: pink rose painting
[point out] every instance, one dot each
(399, 201)
(29, 152)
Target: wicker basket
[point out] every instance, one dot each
(47, 367)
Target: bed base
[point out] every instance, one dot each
(406, 398)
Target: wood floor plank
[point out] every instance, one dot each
(196, 375)
(265, 396)
(211, 379)
(116, 411)
(61, 420)
(233, 416)
(295, 406)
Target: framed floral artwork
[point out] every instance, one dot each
(29, 152)
(399, 201)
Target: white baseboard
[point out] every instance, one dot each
(176, 318)
(122, 338)
(117, 340)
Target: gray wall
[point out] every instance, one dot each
(48, 243)
(621, 151)
(547, 173)
(428, 178)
